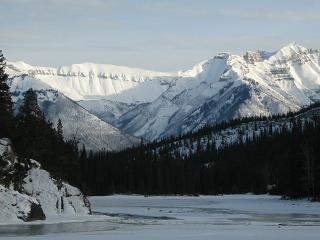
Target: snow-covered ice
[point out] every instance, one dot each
(175, 217)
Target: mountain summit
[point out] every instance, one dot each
(154, 105)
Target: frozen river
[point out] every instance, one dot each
(205, 217)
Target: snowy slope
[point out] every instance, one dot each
(107, 110)
(77, 122)
(236, 134)
(155, 105)
(230, 86)
(16, 207)
(95, 81)
(28, 192)
(102, 89)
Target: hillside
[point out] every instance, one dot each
(78, 123)
(278, 155)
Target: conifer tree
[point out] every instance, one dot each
(60, 129)
(83, 159)
(5, 101)
(30, 125)
(30, 105)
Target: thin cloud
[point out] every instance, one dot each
(173, 8)
(63, 3)
(271, 15)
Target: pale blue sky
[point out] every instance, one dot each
(162, 35)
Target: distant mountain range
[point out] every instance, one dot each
(92, 98)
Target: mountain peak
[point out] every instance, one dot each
(153, 105)
(292, 48)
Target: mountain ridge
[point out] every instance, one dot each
(229, 86)
(223, 87)
(78, 123)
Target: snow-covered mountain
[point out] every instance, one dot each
(155, 105)
(89, 81)
(229, 86)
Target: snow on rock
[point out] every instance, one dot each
(5, 146)
(109, 111)
(88, 80)
(229, 86)
(15, 206)
(55, 197)
(36, 195)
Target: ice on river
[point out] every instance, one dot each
(205, 217)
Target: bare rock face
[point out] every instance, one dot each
(36, 213)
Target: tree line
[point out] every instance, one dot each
(284, 162)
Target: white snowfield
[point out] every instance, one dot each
(90, 80)
(247, 217)
(154, 105)
(38, 189)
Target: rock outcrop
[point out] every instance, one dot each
(28, 192)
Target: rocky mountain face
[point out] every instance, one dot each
(229, 86)
(156, 105)
(78, 123)
(28, 192)
(95, 81)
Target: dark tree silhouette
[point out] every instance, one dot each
(5, 101)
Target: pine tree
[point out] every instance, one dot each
(83, 160)
(60, 129)
(30, 105)
(5, 101)
(32, 129)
